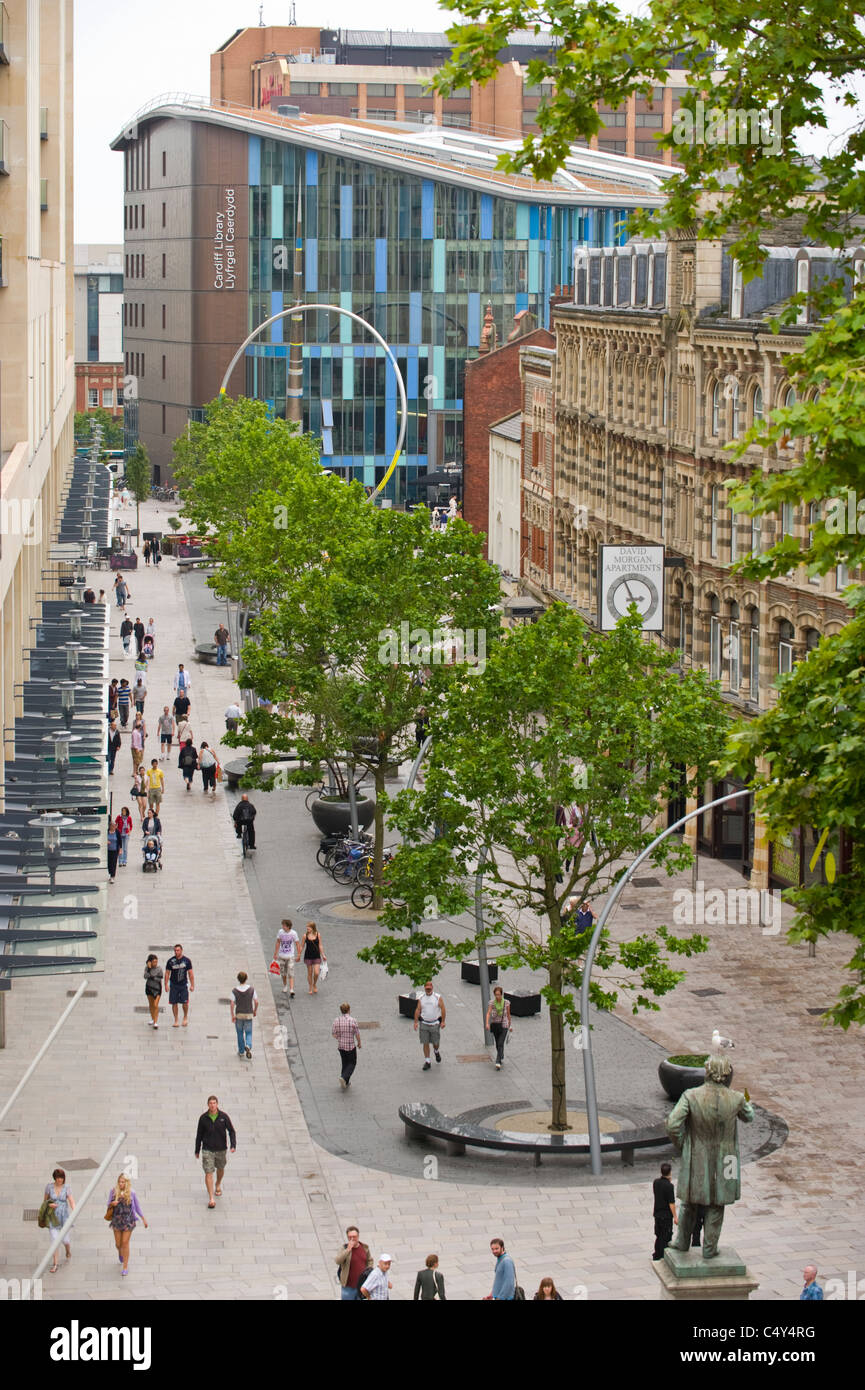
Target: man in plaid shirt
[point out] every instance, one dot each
(377, 1286)
(347, 1035)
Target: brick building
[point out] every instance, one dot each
(382, 75)
(493, 390)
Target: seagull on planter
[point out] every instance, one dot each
(719, 1042)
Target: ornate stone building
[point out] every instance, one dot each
(664, 358)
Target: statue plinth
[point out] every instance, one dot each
(686, 1277)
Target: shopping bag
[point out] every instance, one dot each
(274, 968)
(322, 975)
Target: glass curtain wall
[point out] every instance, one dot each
(418, 259)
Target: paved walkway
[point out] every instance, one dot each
(287, 1199)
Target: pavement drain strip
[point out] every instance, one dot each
(474, 1057)
(78, 1165)
(818, 1011)
(88, 993)
(31, 1213)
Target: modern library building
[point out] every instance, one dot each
(232, 215)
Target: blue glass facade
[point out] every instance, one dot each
(419, 259)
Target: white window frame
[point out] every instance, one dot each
(785, 658)
(93, 398)
(108, 397)
(788, 519)
(716, 410)
(715, 646)
(734, 537)
(842, 576)
(754, 667)
(735, 658)
(756, 534)
(737, 292)
(757, 410)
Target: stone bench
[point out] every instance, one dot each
(423, 1121)
(206, 652)
(234, 770)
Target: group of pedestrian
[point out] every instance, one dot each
(360, 1278)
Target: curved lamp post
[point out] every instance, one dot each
(588, 1060)
(297, 309)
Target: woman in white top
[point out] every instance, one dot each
(184, 731)
(285, 954)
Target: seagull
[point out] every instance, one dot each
(719, 1042)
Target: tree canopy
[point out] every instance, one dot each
(561, 717)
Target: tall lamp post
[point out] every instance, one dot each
(51, 823)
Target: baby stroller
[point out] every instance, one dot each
(152, 852)
(147, 649)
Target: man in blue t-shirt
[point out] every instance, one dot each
(812, 1291)
(177, 968)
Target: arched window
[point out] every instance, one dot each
(786, 634)
(757, 405)
(716, 410)
(790, 397)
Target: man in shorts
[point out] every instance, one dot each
(155, 785)
(177, 968)
(165, 723)
(429, 1018)
(215, 1132)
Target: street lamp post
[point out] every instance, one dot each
(586, 1037)
(51, 823)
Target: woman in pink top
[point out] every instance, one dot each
(123, 826)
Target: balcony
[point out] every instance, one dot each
(43, 195)
(4, 34)
(43, 122)
(4, 148)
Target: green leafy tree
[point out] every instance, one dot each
(746, 58)
(138, 478)
(560, 715)
(222, 464)
(345, 631)
(112, 427)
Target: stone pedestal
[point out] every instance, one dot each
(687, 1278)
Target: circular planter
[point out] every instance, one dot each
(332, 815)
(677, 1074)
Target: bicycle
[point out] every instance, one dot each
(244, 839)
(338, 848)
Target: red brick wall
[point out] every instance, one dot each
(492, 390)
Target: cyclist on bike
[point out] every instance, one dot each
(244, 814)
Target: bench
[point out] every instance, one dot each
(237, 768)
(206, 651)
(423, 1121)
(196, 563)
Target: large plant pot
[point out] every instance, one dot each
(676, 1077)
(332, 815)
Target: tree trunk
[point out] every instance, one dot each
(557, 1058)
(378, 849)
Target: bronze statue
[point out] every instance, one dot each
(702, 1124)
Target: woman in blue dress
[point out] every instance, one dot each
(62, 1203)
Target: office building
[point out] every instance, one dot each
(383, 75)
(99, 328)
(414, 230)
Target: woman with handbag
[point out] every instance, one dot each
(138, 790)
(498, 1022)
(123, 1212)
(313, 955)
(153, 988)
(59, 1202)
